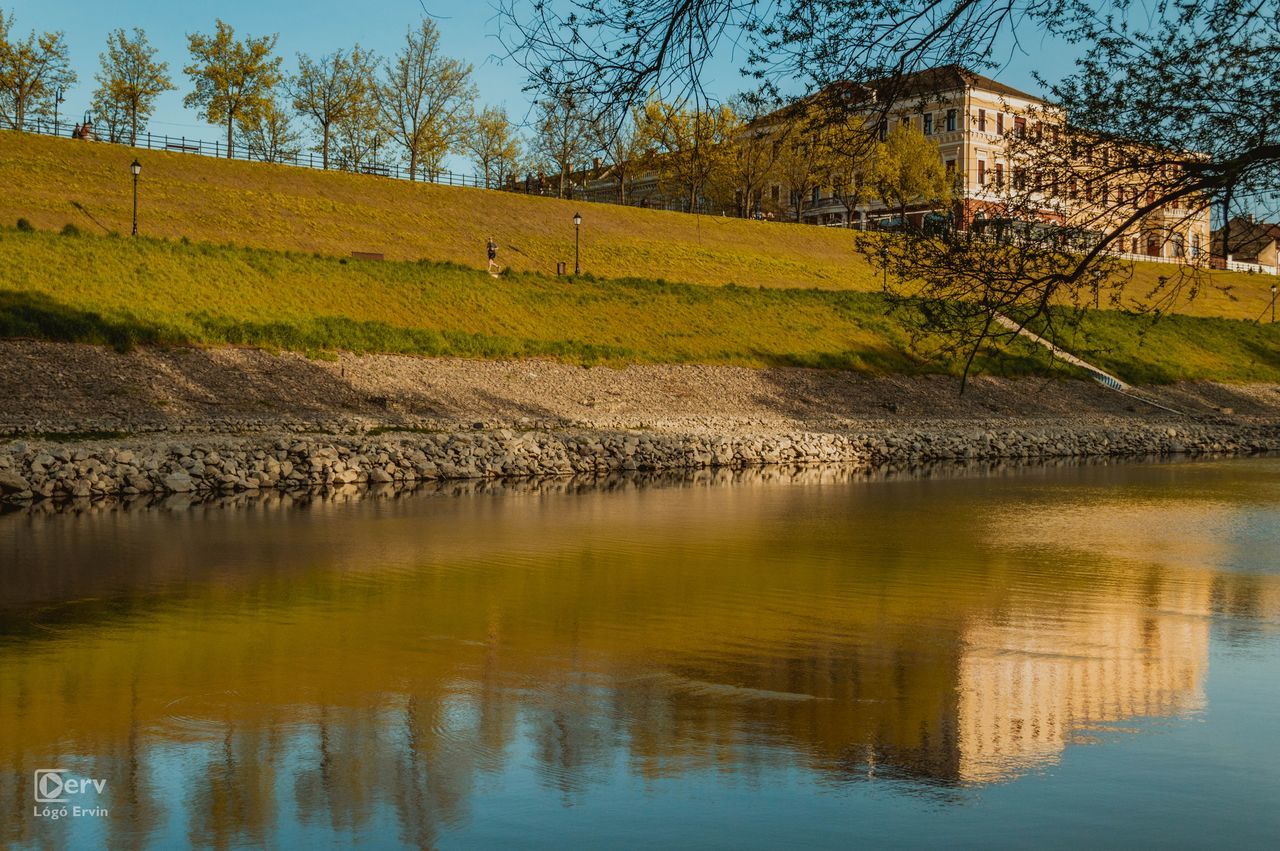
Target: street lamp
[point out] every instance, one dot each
(1273, 304)
(577, 229)
(136, 168)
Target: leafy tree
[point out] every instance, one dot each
(690, 145)
(233, 80)
(130, 80)
(331, 90)
(493, 144)
(752, 157)
(110, 118)
(906, 170)
(425, 98)
(31, 72)
(562, 136)
(270, 135)
(358, 138)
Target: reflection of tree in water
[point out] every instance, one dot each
(232, 799)
(740, 649)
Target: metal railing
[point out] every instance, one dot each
(240, 151)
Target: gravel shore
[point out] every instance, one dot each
(84, 422)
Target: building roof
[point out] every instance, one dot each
(1248, 237)
(945, 78)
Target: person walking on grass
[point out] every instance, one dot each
(494, 268)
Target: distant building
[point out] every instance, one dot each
(1250, 241)
(974, 121)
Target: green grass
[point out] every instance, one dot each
(55, 182)
(122, 292)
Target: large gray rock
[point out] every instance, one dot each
(11, 482)
(178, 483)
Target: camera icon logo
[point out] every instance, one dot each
(50, 788)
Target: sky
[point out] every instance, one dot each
(469, 31)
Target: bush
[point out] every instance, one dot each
(70, 230)
(25, 226)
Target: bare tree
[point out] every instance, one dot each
(561, 137)
(330, 90)
(31, 72)
(616, 138)
(130, 80)
(233, 80)
(424, 99)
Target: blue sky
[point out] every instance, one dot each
(469, 31)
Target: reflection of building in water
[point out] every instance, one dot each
(1028, 685)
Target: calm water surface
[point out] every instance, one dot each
(1078, 657)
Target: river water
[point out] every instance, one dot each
(1072, 656)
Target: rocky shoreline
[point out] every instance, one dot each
(36, 470)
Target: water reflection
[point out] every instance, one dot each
(348, 666)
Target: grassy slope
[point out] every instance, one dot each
(292, 209)
(121, 291)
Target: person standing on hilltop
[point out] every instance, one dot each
(494, 268)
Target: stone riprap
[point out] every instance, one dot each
(163, 464)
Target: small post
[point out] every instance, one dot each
(577, 230)
(136, 168)
(1274, 290)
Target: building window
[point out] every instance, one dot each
(982, 172)
(884, 129)
(999, 123)
(816, 194)
(775, 193)
(1179, 245)
(999, 175)
(1019, 178)
(928, 124)
(1195, 245)
(1020, 128)
(905, 121)
(951, 120)
(951, 167)
(982, 120)
(1133, 245)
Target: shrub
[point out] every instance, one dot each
(70, 230)
(25, 226)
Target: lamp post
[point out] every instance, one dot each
(1273, 304)
(577, 230)
(136, 168)
(57, 99)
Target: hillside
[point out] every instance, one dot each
(52, 182)
(123, 292)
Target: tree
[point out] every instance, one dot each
(906, 170)
(690, 145)
(424, 99)
(752, 157)
(616, 138)
(493, 145)
(32, 70)
(1184, 91)
(110, 117)
(270, 135)
(130, 80)
(233, 80)
(330, 90)
(562, 136)
(358, 137)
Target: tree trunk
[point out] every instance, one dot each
(231, 123)
(413, 164)
(324, 146)
(133, 129)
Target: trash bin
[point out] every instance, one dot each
(561, 269)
